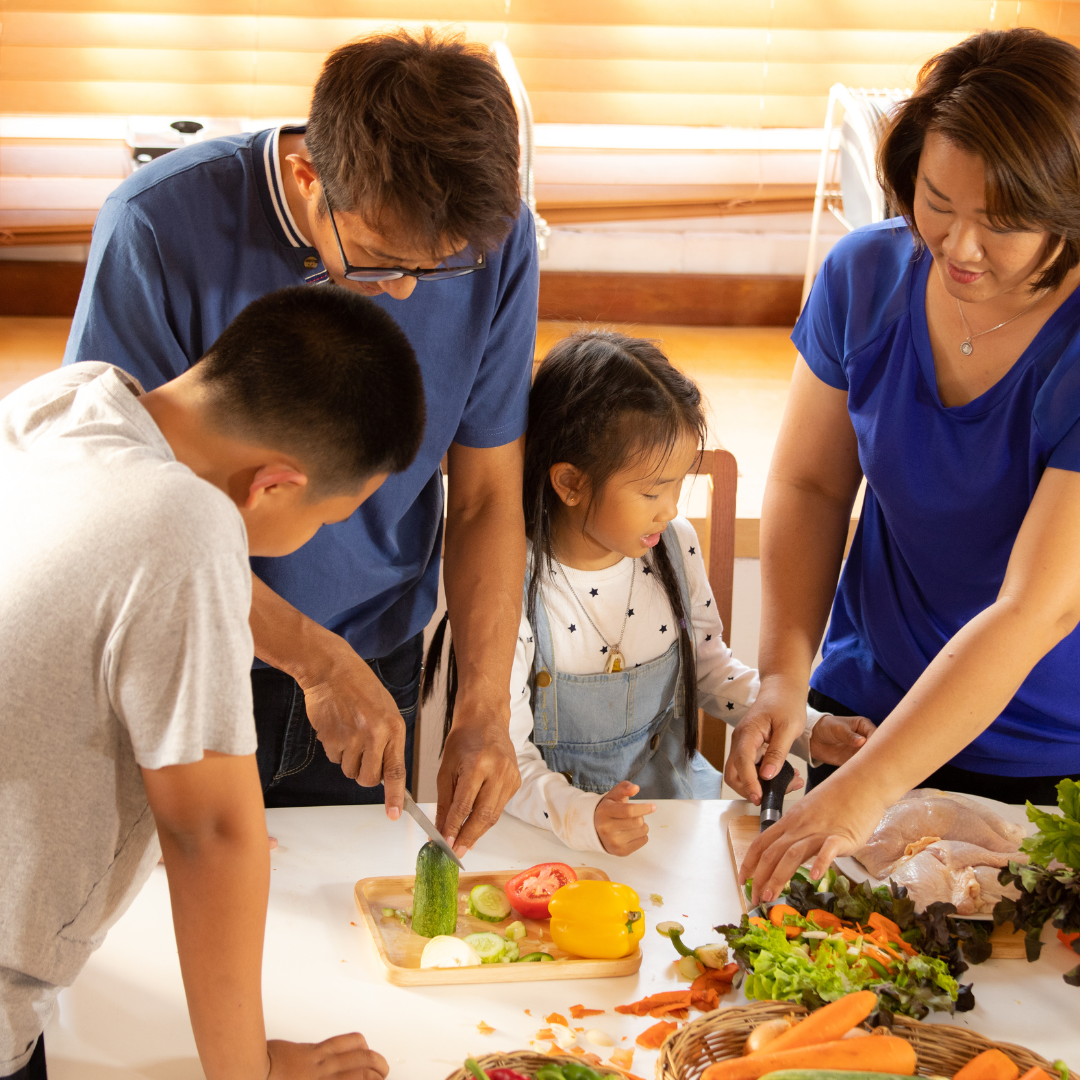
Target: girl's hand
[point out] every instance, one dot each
(620, 824)
(837, 738)
(346, 1057)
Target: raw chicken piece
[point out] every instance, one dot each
(954, 872)
(927, 813)
(990, 892)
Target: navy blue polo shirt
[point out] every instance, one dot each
(187, 241)
(947, 491)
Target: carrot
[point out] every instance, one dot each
(824, 918)
(716, 979)
(1035, 1073)
(579, 1012)
(776, 917)
(883, 1053)
(989, 1065)
(653, 1038)
(828, 1023)
(681, 998)
(1067, 939)
(880, 922)
(757, 920)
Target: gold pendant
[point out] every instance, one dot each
(614, 663)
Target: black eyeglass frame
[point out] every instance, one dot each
(387, 273)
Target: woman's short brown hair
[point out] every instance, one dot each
(1013, 98)
(421, 127)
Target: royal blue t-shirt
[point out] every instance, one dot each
(947, 491)
(187, 241)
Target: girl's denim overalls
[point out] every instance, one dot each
(629, 725)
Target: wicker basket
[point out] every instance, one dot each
(528, 1061)
(720, 1035)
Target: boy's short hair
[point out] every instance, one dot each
(422, 126)
(324, 375)
(1013, 98)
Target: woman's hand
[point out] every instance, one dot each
(834, 819)
(619, 823)
(835, 739)
(765, 734)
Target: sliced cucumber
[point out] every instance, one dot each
(490, 947)
(510, 953)
(488, 903)
(535, 957)
(515, 931)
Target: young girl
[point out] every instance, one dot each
(620, 641)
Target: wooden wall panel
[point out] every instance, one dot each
(672, 299)
(39, 288)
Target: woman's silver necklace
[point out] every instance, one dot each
(615, 657)
(966, 347)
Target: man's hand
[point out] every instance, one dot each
(832, 820)
(775, 720)
(344, 1056)
(477, 778)
(621, 824)
(359, 726)
(835, 739)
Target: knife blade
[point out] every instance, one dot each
(772, 795)
(424, 822)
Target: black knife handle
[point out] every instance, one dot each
(772, 795)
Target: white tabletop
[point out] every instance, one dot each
(125, 1016)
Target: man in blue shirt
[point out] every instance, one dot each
(404, 187)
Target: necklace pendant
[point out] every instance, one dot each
(966, 347)
(614, 663)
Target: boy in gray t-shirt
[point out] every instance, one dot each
(125, 696)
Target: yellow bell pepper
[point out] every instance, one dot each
(601, 920)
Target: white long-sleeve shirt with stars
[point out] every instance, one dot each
(726, 687)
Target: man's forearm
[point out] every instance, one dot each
(219, 883)
(484, 570)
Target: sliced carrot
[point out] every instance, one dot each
(1035, 1073)
(1067, 939)
(544, 1033)
(824, 918)
(989, 1065)
(592, 1059)
(776, 916)
(706, 1000)
(623, 1058)
(883, 1053)
(556, 1018)
(653, 1038)
(670, 1011)
(645, 1005)
(881, 922)
(757, 920)
(579, 1012)
(827, 1024)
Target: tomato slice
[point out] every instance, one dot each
(531, 890)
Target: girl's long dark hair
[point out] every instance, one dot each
(601, 401)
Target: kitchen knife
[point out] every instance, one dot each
(772, 795)
(424, 822)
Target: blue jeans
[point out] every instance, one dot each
(293, 766)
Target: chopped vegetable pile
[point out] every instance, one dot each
(832, 939)
(1050, 884)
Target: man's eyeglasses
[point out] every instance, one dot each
(392, 273)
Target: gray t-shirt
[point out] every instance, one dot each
(125, 592)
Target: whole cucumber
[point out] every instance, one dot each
(435, 895)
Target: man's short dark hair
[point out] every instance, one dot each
(324, 375)
(422, 127)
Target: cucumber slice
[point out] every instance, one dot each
(488, 903)
(490, 947)
(510, 953)
(515, 931)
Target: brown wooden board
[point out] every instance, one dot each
(399, 948)
(743, 831)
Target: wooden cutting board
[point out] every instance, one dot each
(743, 831)
(399, 948)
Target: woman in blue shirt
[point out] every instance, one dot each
(946, 371)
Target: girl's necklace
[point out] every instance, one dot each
(615, 658)
(966, 347)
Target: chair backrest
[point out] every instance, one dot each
(720, 467)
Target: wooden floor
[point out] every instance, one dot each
(743, 371)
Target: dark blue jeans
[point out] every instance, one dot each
(34, 1069)
(293, 766)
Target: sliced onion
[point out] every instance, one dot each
(445, 951)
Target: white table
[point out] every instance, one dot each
(125, 1017)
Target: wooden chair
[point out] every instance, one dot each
(721, 470)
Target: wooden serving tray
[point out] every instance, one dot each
(399, 948)
(743, 831)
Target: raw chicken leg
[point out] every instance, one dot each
(954, 872)
(925, 813)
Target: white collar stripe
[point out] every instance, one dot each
(277, 193)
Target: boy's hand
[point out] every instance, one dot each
(344, 1056)
(837, 738)
(620, 824)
